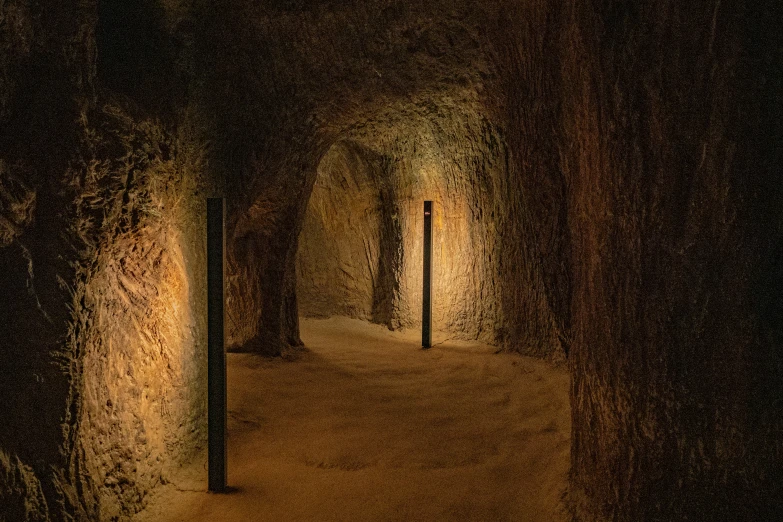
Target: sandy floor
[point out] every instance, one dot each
(367, 426)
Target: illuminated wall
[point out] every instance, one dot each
(607, 175)
(346, 253)
(143, 386)
(360, 250)
(106, 310)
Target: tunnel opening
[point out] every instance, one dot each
(359, 252)
(350, 250)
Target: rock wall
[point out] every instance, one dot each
(606, 174)
(673, 154)
(637, 222)
(348, 262)
(20, 491)
(102, 254)
(43, 61)
(536, 261)
(416, 85)
(455, 158)
(139, 320)
(397, 79)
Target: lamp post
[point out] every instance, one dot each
(426, 304)
(216, 358)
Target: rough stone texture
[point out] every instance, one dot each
(139, 323)
(606, 174)
(102, 256)
(416, 85)
(350, 247)
(20, 491)
(42, 64)
(412, 82)
(675, 205)
(639, 219)
(361, 246)
(536, 262)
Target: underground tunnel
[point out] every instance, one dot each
(607, 248)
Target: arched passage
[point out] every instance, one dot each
(350, 251)
(360, 245)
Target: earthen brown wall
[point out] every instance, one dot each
(102, 263)
(672, 148)
(360, 249)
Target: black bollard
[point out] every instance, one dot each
(426, 302)
(216, 387)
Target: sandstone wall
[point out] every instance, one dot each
(102, 255)
(394, 80)
(349, 251)
(673, 153)
(139, 319)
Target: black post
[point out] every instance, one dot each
(216, 388)
(426, 302)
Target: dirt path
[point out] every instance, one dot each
(367, 426)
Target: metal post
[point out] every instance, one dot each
(426, 305)
(216, 369)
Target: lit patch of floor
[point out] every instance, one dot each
(367, 426)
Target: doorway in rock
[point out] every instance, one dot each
(361, 245)
(350, 256)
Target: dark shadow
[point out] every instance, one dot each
(135, 51)
(386, 286)
(229, 490)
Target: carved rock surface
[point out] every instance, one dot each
(102, 321)
(607, 185)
